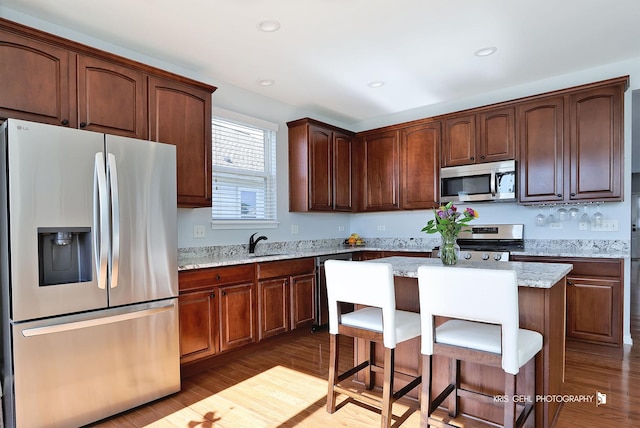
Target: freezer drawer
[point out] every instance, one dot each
(73, 370)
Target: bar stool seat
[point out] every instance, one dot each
(370, 285)
(483, 328)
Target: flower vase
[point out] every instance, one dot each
(449, 250)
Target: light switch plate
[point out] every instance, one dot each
(198, 231)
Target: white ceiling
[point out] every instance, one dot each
(327, 51)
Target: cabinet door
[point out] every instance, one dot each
(237, 325)
(342, 146)
(273, 304)
(596, 144)
(381, 185)
(181, 115)
(459, 142)
(35, 81)
(303, 309)
(198, 325)
(320, 169)
(593, 309)
(541, 134)
(419, 168)
(497, 135)
(111, 98)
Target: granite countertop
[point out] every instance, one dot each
(202, 258)
(530, 274)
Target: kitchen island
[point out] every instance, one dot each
(542, 308)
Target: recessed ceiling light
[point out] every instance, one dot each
(376, 84)
(486, 51)
(266, 82)
(269, 26)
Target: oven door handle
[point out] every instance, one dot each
(493, 183)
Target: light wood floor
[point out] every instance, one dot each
(285, 385)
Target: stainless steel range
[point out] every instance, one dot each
(490, 242)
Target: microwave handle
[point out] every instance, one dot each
(493, 183)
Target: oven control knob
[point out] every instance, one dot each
(485, 256)
(497, 257)
(467, 256)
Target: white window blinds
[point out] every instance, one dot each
(244, 171)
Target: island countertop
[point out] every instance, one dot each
(530, 274)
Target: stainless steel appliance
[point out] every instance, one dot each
(322, 306)
(491, 181)
(489, 242)
(88, 263)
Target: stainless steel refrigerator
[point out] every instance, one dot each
(88, 265)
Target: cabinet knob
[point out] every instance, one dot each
(224, 293)
(481, 157)
(559, 195)
(569, 282)
(217, 277)
(472, 158)
(213, 295)
(83, 125)
(573, 194)
(65, 122)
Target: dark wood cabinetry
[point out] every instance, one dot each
(47, 79)
(180, 114)
(36, 80)
(111, 98)
(486, 136)
(570, 145)
(286, 296)
(378, 162)
(594, 299)
(217, 310)
(320, 159)
(420, 166)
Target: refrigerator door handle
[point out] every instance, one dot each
(112, 173)
(76, 325)
(100, 220)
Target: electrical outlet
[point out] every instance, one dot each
(583, 225)
(381, 227)
(556, 225)
(295, 229)
(605, 226)
(198, 231)
(340, 228)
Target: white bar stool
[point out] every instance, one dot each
(371, 285)
(484, 330)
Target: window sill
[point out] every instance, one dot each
(243, 224)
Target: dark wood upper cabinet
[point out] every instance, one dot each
(47, 79)
(541, 150)
(320, 160)
(486, 136)
(419, 166)
(111, 98)
(36, 80)
(570, 145)
(180, 114)
(596, 152)
(378, 156)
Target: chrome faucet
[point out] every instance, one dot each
(252, 242)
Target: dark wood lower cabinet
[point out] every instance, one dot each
(286, 292)
(217, 311)
(594, 301)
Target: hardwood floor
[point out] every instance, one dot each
(284, 385)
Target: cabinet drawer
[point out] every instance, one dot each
(201, 278)
(286, 268)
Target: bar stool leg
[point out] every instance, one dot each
(425, 394)
(333, 372)
(510, 405)
(387, 387)
(454, 379)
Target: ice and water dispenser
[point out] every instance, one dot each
(64, 255)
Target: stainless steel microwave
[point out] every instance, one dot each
(491, 181)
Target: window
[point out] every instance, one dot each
(244, 170)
